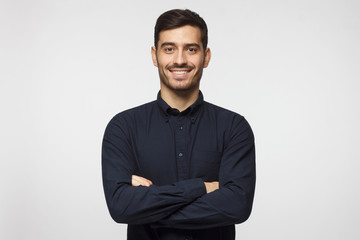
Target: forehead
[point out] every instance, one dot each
(181, 35)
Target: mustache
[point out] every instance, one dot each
(179, 66)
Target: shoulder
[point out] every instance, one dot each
(135, 112)
(229, 120)
(128, 118)
(220, 112)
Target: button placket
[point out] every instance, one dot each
(180, 141)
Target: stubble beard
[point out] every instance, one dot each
(192, 86)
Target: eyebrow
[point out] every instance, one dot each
(186, 45)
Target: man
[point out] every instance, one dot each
(179, 167)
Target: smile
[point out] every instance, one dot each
(180, 72)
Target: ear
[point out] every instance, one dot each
(153, 55)
(207, 57)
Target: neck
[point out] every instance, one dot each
(180, 100)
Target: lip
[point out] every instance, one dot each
(180, 72)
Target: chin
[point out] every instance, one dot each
(184, 86)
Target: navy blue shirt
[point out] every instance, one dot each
(178, 152)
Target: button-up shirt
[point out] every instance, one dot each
(178, 152)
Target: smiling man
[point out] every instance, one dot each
(180, 59)
(179, 167)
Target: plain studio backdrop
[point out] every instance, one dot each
(292, 68)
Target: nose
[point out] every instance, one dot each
(180, 58)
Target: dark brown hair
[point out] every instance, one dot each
(177, 18)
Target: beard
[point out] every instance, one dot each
(193, 84)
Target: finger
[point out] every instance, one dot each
(148, 181)
(137, 180)
(134, 182)
(144, 181)
(140, 181)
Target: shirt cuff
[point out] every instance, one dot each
(193, 188)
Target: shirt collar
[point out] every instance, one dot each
(191, 111)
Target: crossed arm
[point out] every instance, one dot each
(140, 181)
(191, 203)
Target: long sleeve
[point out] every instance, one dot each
(232, 203)
(138, 205)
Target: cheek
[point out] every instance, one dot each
(198, 62)
(163, 61)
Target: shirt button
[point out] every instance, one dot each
(181, 128)
(181, 154)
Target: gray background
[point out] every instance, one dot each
(290, 67)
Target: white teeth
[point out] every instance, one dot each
(179, 72)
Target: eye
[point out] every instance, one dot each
(169, 49)
(192, 49)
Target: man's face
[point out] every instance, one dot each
(180, 58)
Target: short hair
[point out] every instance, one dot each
(177, 18)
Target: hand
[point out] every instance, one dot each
(211, 186)
(140, 181)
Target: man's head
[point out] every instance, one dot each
(180, 50)
(178, 18)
